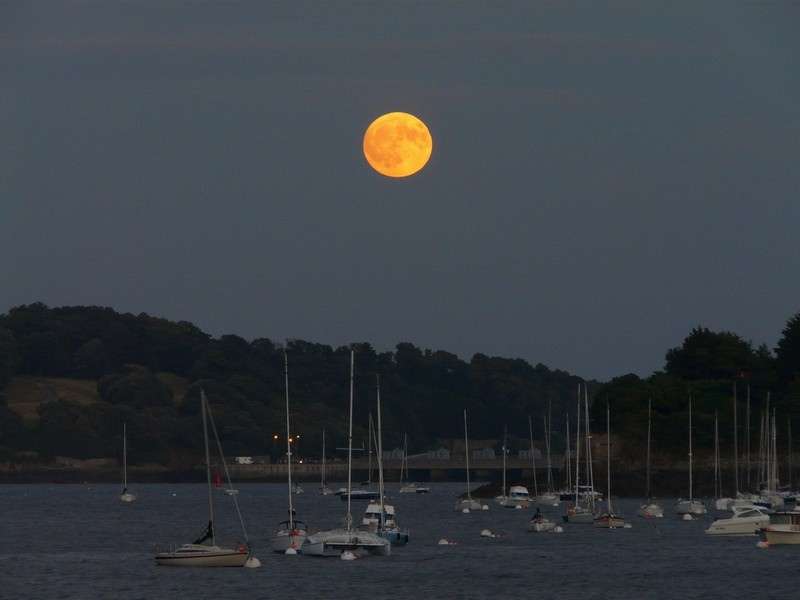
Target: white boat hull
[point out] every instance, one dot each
(333, 543)
(468, 504)
(687, 507)
(781, 534)
(651, 511)
(284, 540)
(508, 502)
(748, 526)
(127, 497)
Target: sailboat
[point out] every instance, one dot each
(609, 520)
(720, 502)
(198, 553)
(324, 490)
(650, 509)
(550, 497)
(690, 506)
(290, 533)
(582, 511)
(125, 495)
(518, 496)
(381, 517)
(409, 487)
(467, 503)
(335, 542)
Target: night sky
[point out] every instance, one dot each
(605, 176)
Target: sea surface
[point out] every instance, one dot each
(79, 541)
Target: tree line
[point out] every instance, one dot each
(423, 390)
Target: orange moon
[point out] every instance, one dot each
(397, 144)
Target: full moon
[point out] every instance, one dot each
(397, 144)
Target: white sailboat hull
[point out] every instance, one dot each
(541, 526)
(194, 555)
(283, 540)
(467, 503)
(607, 521)
(690, 507)
(127, 497)
(651, 511)
(333, 543)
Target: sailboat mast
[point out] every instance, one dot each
(735, 441)
(717, 482)
(505, 441)
(690, 449)
(578, 450)
(608, 452)
(589, 465)
(568, 457)
(649, 428)
(322, 482)
(203, 409)
(466, 452)
(370, 434)
(747, 440)
(288, 437)
(533, 459)
(124, 456)
(789, 451)
(380, 448)
(349, 517)
(404, 462)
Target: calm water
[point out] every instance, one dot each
(79, 541)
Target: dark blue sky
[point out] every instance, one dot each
(605, 176)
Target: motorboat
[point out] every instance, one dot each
(518, 496)
(745, 521)
(290, 534)
(199, 553)
(784, 528)
(388, 528)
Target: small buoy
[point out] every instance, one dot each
(347, 555)
(252, 563)
(518, 507)
(558, 529)
(485, 507)
(487, 533)
(687, 517)
(659, 516)
(555, 504)
(291, 551)
(628, 526)
(444, 542)
(465, 511)
(174, 494)
(762, 544)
